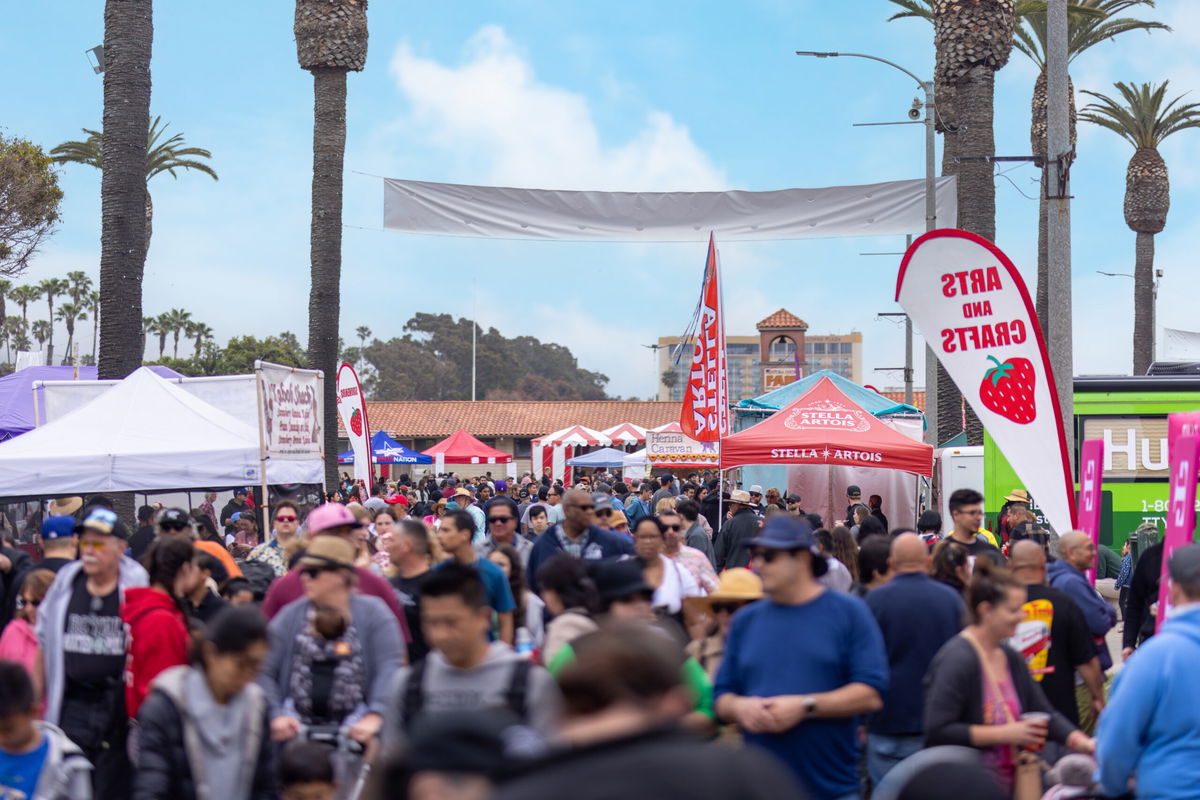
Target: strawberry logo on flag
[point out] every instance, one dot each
(1007, 389)
(356, 422)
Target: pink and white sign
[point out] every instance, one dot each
(1091, 474)
(969, 302)
(352, 408)
(1181, 512)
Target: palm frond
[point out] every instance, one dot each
(920, 9)
(168, 155)
(1141, 119)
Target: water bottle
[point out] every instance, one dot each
(524, 643)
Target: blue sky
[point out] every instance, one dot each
(619, 95)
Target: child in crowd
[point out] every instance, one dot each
(306, 771)
(37, 760)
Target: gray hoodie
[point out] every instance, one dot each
(448, 688)
(52, 621)
(66, 773)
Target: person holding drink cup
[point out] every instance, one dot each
(978, 691)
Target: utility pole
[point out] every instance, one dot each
(1058, 223)
(908, 354)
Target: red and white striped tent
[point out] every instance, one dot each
(553, 450)
(625, 433)
(670, 427)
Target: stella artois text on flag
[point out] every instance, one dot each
(705, 413)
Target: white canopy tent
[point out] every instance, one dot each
(142, 434)
(236, 395)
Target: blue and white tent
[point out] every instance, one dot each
(387, 450)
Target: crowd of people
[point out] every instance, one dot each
(462, 638)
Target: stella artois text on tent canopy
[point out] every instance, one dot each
(969, 302)
(705, 412)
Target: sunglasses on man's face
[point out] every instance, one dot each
(585, 507)
(604, 512)
(727, 608)
(500, 519)
(315, 572)
(768, 556)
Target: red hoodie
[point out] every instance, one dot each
(157, 638)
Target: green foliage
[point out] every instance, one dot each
(432, 361)
(1089, 22)
(1142, 120)
(165, 156)
(238, 356)
(29, 201)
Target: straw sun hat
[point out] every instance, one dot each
(737, 585)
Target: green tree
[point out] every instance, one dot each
(199, 333)
(331, 40)
(972, 40)
(41, 331)
(1089, 22)
(171, 155)
(79, 283)
(23, 296)
(128, 41)
(1143, 118)
(177, 321)
(240, 353)
(5, 292)
(51, 288)
(92, 304)
(68, 313)
(29, 202)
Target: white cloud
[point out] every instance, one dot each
(496, 117)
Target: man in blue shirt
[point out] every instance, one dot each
(917, 615)
(454, 535)
(577, 535)
(800, 665)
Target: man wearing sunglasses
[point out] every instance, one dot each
(81, 649)
(285, 523)
(502, 520)
(801, 665)
(577, 535)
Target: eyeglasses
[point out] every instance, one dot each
(727, 608)
(285, 518)
(588, 507)
(768, 556)
(500, 519)
(23, 602)
(604, 512)
(673, 527)
(173, 526)
(314, 572)
(93, 544)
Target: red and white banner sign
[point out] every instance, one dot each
(969, 302)
(1181, 512)
(705, 413)
(352, 408)
(1091, 475)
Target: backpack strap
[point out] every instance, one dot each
(516, 697)
(414, 694)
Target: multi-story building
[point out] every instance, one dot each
(756, 364)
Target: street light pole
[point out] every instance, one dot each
(1058, 222)
(931, 361)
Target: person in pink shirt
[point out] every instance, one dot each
(19, 642)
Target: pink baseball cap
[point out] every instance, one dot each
(330, 515)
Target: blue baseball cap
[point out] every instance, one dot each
(59, 526)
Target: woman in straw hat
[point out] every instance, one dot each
(738, 587)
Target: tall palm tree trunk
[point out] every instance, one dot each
(128, 40)
(324, 303)
(1143, 303)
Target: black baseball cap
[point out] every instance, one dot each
(1184, 566)
(174, 519)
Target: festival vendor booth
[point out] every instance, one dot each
(386, 451)
(626, 434)
(554, 450)
(669, 449)
(142, 434)
(829, 442)
(17, 393)
(461, 447)
(604, 458)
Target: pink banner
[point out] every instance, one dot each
(1091, 473)
(1181, 512)
(1185, 423)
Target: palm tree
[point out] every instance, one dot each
(78, 285)
(177, 322)
(162, 327)
(68, 313)
(331, 39)
(1143, 120)
(92, 304)
(23, 296)
(972, 41)
(363, 333)
(1089, 22)
(51, 288)
(5, 290)
(198, 331)
(41, 332)
(128, 41)
(161, 156)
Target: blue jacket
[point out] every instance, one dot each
(599, 544)
(1151, 726)
(1100, 616)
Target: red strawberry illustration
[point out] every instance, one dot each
(356, 422)
(1007, 389)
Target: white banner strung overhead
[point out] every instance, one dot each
(876, 209)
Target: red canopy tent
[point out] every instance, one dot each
(824, 426)
(461, 447)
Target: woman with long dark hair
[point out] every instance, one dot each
(951, 565)
(529, 611)
(204, 729)
(156, 617)
(572, 599)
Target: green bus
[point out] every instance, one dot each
(1130, 415)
